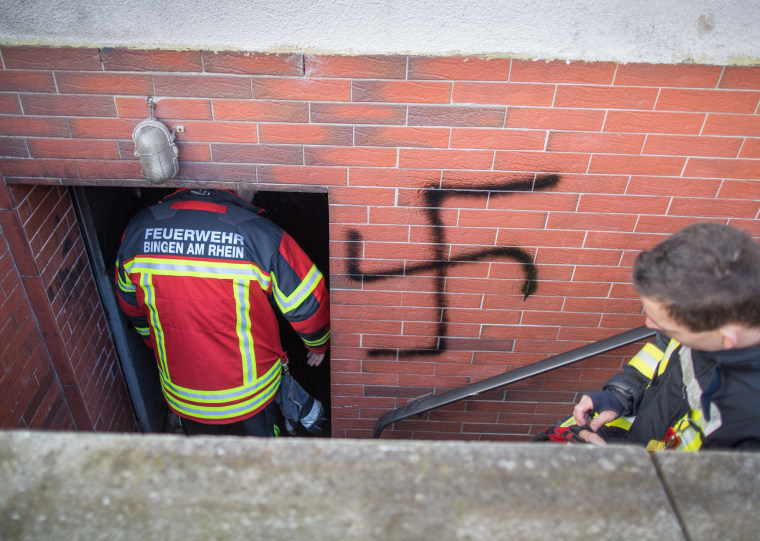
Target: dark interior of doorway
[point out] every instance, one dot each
(104, 212)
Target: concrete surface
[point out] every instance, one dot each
(84, 486)
(701, 31)
(100, 486)
(717, 495)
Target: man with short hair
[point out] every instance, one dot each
(198, 276)
(697, 385)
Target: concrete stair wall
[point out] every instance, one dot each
(124, 487)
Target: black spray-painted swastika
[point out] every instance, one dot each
(434, 201)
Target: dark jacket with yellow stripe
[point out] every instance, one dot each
(688, 399)
(197, 275)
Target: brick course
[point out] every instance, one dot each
(637, 150)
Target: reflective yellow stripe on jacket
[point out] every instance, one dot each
(319, 342)
(199, 269)
(290, 302)
(649, 359)
(257, 389)
(693, 426)
(217, 405)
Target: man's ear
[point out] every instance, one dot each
(729, 336)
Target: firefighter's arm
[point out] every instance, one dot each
(126, 295)
(628, 386)
(300, 292)
(603, 402)
(622, 393)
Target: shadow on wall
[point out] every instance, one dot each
(434, 200)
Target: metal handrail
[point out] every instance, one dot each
(513, 376)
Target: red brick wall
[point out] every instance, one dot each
(30, 392)
(60, 369)
(621, 155)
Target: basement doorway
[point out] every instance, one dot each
(103, 213)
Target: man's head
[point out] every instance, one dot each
(701, 279)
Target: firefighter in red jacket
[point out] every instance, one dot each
(197, 275)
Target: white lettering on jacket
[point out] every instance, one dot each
(203, 242)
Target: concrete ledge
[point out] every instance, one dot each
(104, 486)
(717, 495)
(708, 31)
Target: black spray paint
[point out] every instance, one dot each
(434, 200)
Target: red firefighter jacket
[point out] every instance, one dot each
(195, 275)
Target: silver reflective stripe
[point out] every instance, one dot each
(689, 438)
(694, 395)
(303, 290)
(313, 416)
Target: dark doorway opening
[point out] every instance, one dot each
(103, 213)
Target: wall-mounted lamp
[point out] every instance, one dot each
(154, 145)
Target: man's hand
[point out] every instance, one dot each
(591, 437)
(314, 359)
(582, 415)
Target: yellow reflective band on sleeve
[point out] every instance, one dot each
(288, 303)
(318, 342)
(622, 422)
(143, 331)
(646, 360)
(125, 285)
(122, 279)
